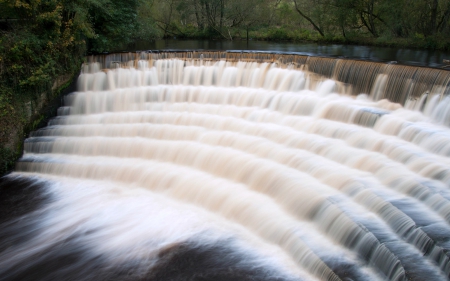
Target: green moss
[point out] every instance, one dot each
(15, 124)
(7, 159)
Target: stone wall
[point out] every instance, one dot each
(30, 116)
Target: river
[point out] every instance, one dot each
(173, 167)
(416, 57)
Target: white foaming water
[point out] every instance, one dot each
(308, 181)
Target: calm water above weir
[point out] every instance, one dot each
(402, 56)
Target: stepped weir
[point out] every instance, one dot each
(207, 165)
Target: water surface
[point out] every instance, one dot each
(170, 169)
(430, 58)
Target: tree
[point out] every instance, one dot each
(114, 25)
(147, 28)
(302, 11)
(247, 14)
(433, 16)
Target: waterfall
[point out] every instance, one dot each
(235, 166)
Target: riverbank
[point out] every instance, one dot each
(301, 36)
(417, 42)
(19, 117)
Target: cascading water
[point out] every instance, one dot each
(222, 168)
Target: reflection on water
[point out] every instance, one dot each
(429, 58)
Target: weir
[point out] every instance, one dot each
(398, 83)
(206, 165)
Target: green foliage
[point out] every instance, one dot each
(115, 25)
(378, 22)
(7, 159)
(278, 34)
(44, 39)
(6, 107)
(147, 28)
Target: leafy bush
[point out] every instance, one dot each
(278, 34)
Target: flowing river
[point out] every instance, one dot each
(224, 166)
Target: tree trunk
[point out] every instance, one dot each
(433, 18)
(222, 7)
(247, 32)
(168, 20)
(444, 19)
(343, 31)
(198, 16)
(367, 25)
(208, 14)
(308, 19)
(371, 18)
